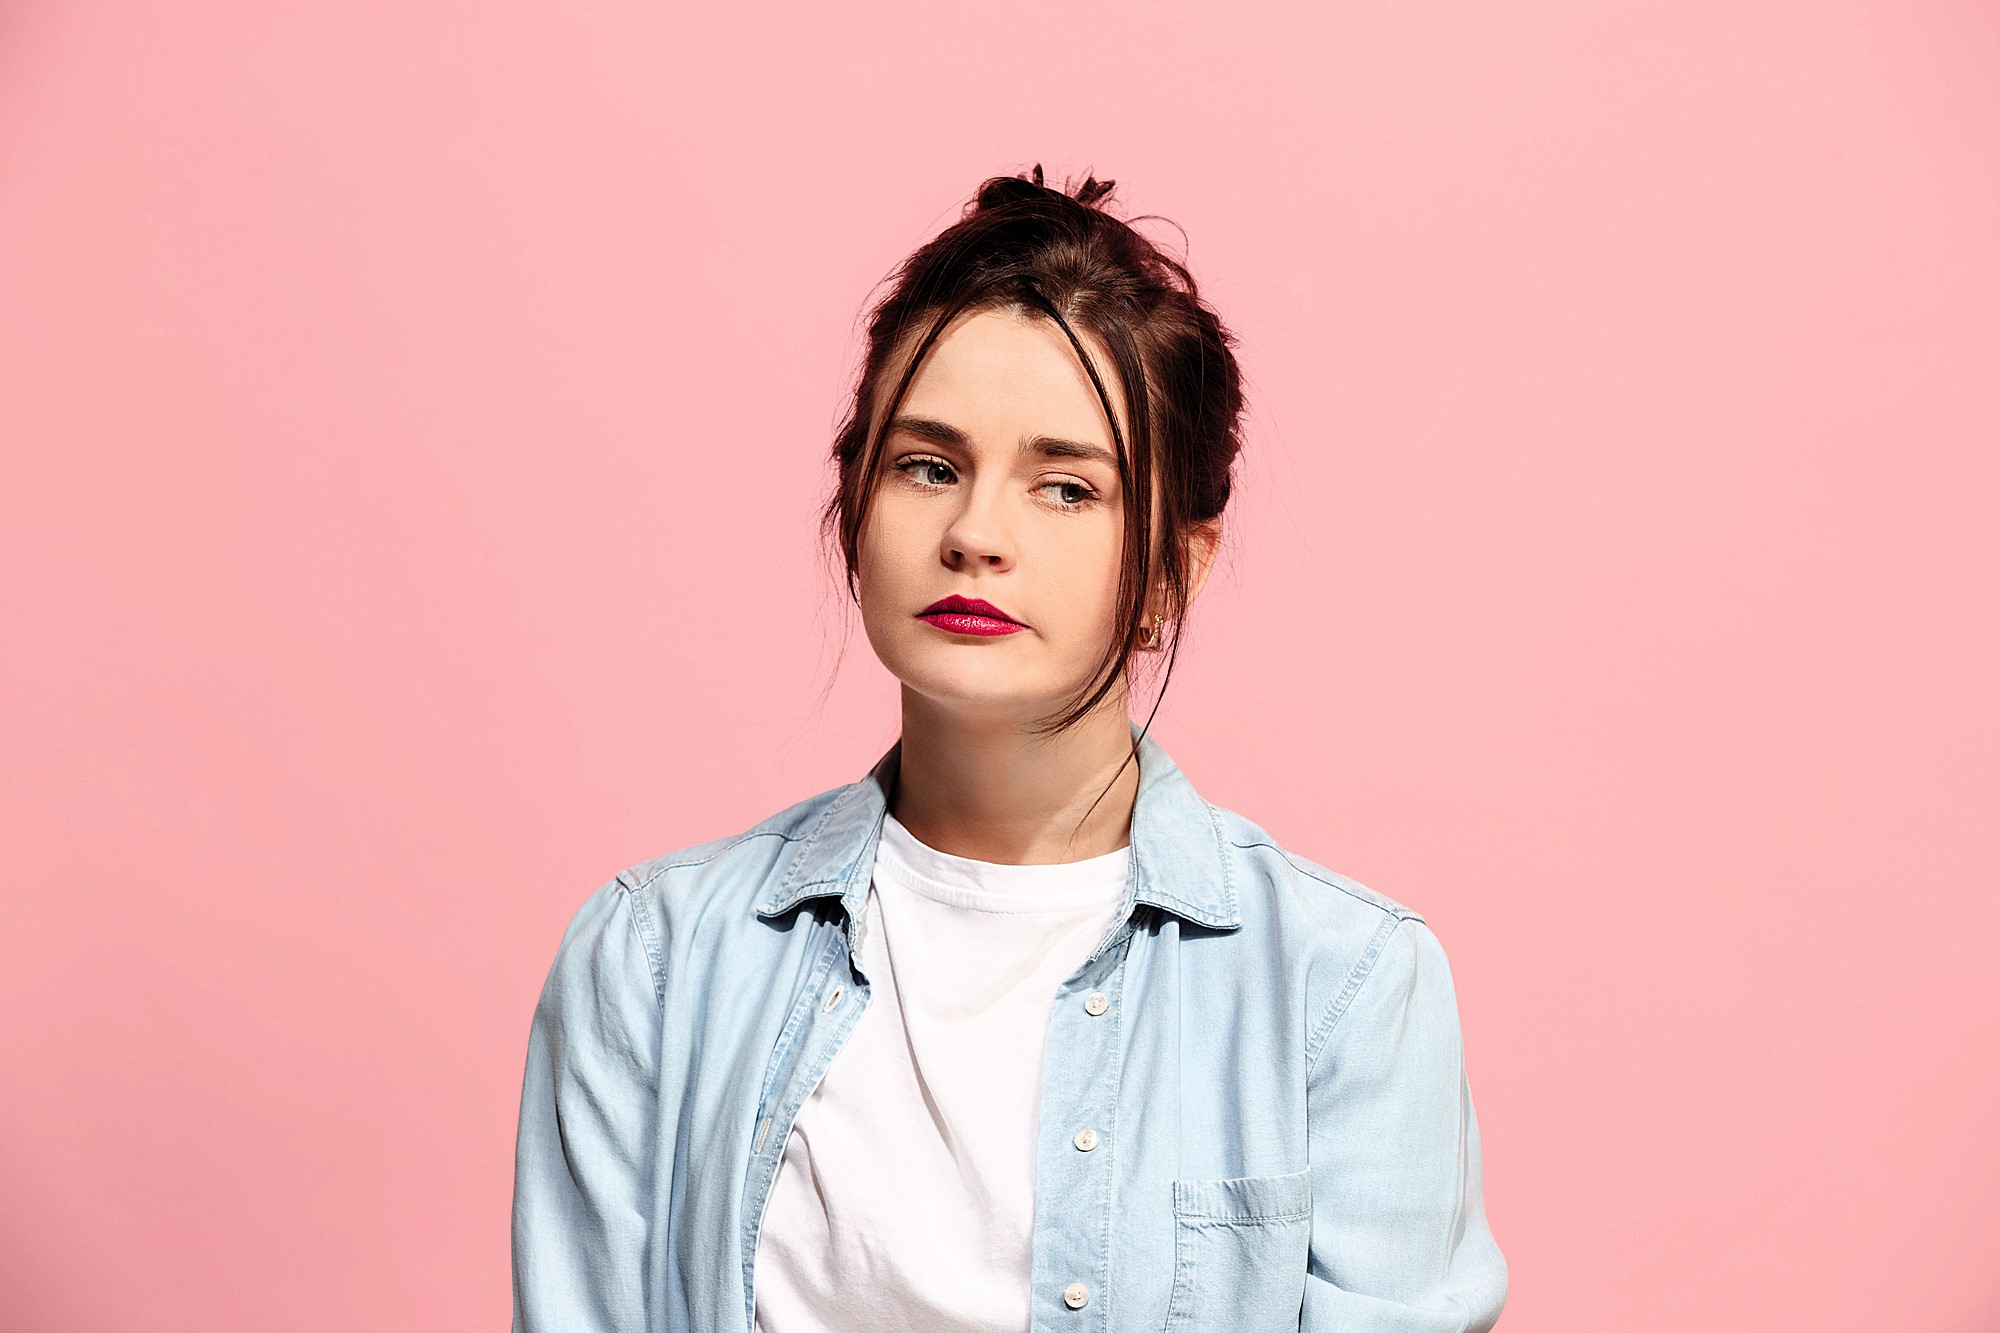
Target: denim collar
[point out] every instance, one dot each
(1178, 861)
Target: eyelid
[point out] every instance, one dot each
(946, 462)
(909, 462)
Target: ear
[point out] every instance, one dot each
(1204, 543)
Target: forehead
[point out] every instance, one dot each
(1004, 374)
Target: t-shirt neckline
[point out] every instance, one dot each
(992, 886)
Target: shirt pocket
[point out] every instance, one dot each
(1240, 1252)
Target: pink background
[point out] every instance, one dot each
(415, 420)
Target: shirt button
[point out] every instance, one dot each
(834, 998)
(1086, 1139)
(1076, 1295)
(1095, 1003)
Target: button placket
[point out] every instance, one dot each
(805, 1051)
(1080, 1089)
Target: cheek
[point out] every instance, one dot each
(887, 539)
(895, 549)
(1084, 567)
(874, 578)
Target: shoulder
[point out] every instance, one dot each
(1344, 937)
(748, 855)
(1262, 868)
(626, 934)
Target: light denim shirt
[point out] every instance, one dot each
(1269, 1052)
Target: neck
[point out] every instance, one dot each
(988, 790)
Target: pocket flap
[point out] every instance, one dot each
(1245, 1199)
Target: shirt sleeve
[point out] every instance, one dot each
(585, 1155)
(1400, 1242)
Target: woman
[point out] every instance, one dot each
(1016, 1031)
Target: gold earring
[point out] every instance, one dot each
(1153, 639)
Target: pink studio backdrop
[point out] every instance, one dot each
(414, 422)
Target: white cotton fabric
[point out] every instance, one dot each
(904, 1200)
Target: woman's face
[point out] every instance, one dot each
(999, 483)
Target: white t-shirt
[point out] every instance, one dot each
(904, 1201)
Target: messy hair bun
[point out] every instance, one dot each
(1002, 190)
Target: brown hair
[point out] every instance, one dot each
(1029, 248)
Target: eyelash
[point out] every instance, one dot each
(908, 466)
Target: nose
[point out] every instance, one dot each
(980, 532)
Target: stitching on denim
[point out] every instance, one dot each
(1221, 854)
(1181, 1295)
(798, 1018)
(642, 924)
(1188, 1210)
(803, 1087)
(1227, 1219)
(732, 845)
(1201, 916)
(847, 793)
(1363, 969)
(1114, 1077)
(767, 1167)
(1403, 910)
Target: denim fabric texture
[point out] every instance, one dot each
(1269, 1051)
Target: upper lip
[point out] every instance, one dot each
(971, 606)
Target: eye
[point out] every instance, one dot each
(1086, 497)
(917, 465)
(923, 471)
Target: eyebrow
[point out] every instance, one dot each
(1048, 446)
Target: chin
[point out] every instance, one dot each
(988, 689)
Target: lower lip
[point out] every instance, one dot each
(958, 622)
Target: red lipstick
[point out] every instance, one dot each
(969, 615)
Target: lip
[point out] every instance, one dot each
(969, 615)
